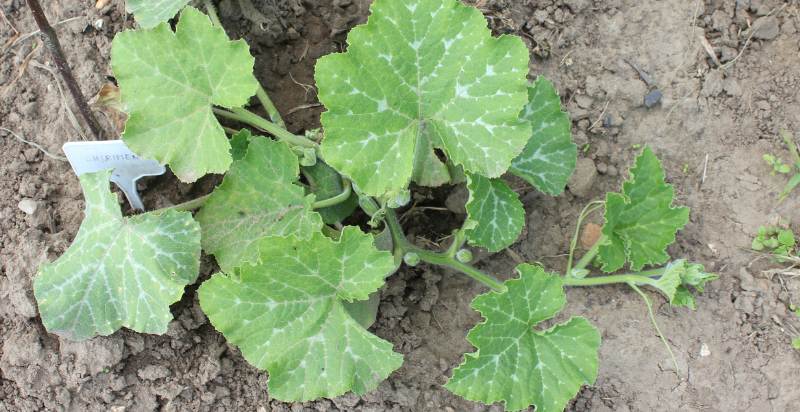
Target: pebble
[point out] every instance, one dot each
(704, 350)
(584, 101)
(767, 28)
(28, 206)
(653, 98)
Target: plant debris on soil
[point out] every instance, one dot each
(727, 81)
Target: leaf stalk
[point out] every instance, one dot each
(245, 116)
(335, 200)
(403, 246)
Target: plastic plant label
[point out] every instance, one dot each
(88, 157)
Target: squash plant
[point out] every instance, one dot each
(424, 94)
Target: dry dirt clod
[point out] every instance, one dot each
(766, 28)
(591, 232)
(582, 181)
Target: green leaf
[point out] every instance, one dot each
(796, 343)
(549, 158)
(257, 198)
(239, 143)
(365, 312)
(287, 315)
(518, 364)
(417, 75)
(149, 13)
(326, 183)
(118, 271)
(640, 221)
(680, 279)
(497, 212)
(169, 81)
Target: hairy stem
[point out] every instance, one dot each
(212, 13)
(189, 205)
(639, 278)
(655, 324)
(590, 254)
(403, 246)
(272, 111)
(332, 201)
(50, 40)
(248, 117)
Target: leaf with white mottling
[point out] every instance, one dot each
(169, 83)
(257, 198)
(287, 314)
(519, 365)
(640, 220)
(118, 271)
(497, 212)
(549, 158)
(421, 73)
(149, 13)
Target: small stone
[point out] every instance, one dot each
(766, 28)
(582, 181)
(704, 351)
(653, 98)
(28, 206)
(584, 101)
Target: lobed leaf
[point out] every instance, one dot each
(519, 365)
(169, 82)
(257, 198)
(422, 75)
(640, 222)
(149, 13)
(496, 211)
(287, 314)
(549, 158)
(118, 271)
(680, 279)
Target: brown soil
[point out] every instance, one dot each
(710, 129)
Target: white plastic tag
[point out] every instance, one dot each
(88, 157)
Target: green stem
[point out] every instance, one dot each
(212, 13)
(272, 111)
(639, 278)
(587, 210)
(655, 324)
(403, 246)
(245, 116)
(459, 238)
(590, 254)
(332, 201)
(189, 205)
